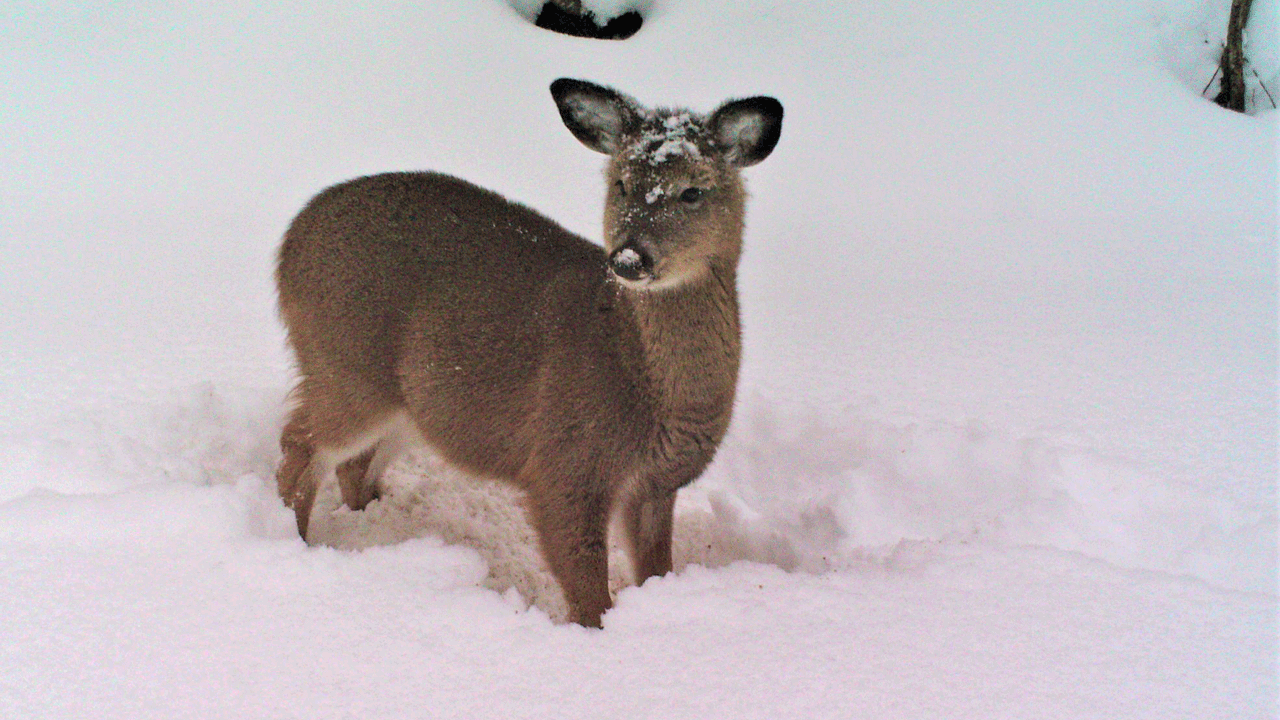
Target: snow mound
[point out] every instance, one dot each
(793, 488)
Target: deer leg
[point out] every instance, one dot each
(647, 524)
(571, 530)
(311, 456)
(302, 468)
(354, 480)
(293, 480)
(319, 470)
(365, 472)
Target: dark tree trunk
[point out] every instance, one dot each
(1231, 91)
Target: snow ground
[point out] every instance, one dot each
(1006, 439)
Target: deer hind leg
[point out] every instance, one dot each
(354, 481)
(302, 467)
(299, 482)
(325, 431)
(646, 526)
(292, 478)
(359, 477)
(572, 529)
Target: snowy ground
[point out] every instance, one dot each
(1006, 438)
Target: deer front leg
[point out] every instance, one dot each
(571, 530)
(647, 526)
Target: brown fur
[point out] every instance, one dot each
(423, 308)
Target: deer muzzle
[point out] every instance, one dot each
(632, 262)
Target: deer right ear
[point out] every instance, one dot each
(596, 115)
(747, 130)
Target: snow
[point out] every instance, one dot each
(629, 258)
(666, 136)
(1005, 443)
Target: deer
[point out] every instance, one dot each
(424, 310)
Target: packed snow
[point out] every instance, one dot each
(1005, 442)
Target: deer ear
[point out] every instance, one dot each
(747, 130)
(596, 115)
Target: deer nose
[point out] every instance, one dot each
(631, 262)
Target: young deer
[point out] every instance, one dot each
(422, 308)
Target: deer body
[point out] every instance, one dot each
(422, 308)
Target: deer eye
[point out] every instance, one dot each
(622, 189)
(691, 195)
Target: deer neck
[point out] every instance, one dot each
(690, 345)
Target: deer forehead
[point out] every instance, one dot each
(667, 137)
(670, 151)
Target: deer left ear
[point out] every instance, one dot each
(747, 130)
(598, 116)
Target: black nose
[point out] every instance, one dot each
(631, 262)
